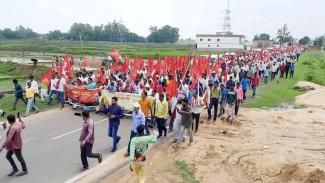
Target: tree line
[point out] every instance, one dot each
(113, 31)
(284, 36)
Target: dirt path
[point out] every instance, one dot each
(286, 145)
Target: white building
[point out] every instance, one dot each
(219, 42)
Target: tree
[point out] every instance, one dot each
(305, 40)
(319, 41)
(262, 36)
(55, 35)
(77, 30)
(166, 34)
(283, 35)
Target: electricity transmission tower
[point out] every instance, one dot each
(226, 20)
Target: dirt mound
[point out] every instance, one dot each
(315, 97)
(269, 146)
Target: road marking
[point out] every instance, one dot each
(76, 130)
(90, 171)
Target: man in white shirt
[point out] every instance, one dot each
(177, 120)
(53, 83)
(196, 110)
(60, 90)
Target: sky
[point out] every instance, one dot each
(248, 17)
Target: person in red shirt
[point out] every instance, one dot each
(254, 83)
(282, 70)
(13, 144)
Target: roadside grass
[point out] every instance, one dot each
(92, 48)
(311, 67)
(6, 104)
(185, 172)
(6, 84)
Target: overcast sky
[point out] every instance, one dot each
(192, 17)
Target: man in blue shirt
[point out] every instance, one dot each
(245, 85)
(292, 70)
(115, 113)
(138, 119)
(18, 93)
(230, 82)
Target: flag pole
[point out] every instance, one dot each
(188, 66)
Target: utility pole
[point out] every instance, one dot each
(121, 26)
(323, 44)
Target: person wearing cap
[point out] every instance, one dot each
(138, 119)
(214, 100)
(87, 138)
(30, 95)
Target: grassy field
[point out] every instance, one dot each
(311, 67)
(6, 104)
(10, 71)
(45, 49)
(185, 172)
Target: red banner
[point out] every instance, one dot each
(81, 95)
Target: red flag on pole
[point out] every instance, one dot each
(125, 65)
(46, 77)
(150, 66)
(115, 55)
(85, 62)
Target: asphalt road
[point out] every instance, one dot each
(51, 148)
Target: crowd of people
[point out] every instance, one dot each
(172, 98)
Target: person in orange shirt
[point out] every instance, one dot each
(146, 108)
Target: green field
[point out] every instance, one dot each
(311, 66)
(45, 49)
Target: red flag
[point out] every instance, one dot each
(54, 66)
(85, 62)
(125, 65)
(115, 66)
(46, 77)
(171, 89)
(158, 65)
(150, 66)
(115, 55)
(154, 82)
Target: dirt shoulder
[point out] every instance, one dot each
(272, 146)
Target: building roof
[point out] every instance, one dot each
(218, 35)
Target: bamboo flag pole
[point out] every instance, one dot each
(188, 66)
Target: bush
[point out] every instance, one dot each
(306, 63)
(310, 76)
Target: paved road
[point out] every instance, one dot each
(51, 147)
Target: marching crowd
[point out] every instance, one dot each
(170, 102)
